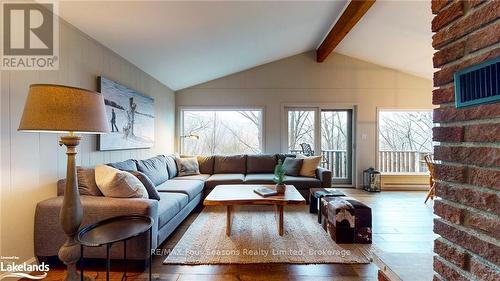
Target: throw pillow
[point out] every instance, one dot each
(187, 166)
(155, 168)
(309, 165)
(115, 183)
(292, 166)
(148, 184)
(86, 182)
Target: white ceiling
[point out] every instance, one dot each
(395, 34)
(186, 43)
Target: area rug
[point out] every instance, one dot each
(254, 239)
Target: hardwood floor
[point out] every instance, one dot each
(402, 230)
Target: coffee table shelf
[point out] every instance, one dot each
(234, 195)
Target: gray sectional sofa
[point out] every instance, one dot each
(178, 198)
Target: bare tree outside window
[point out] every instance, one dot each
(300, 129)
(222, 132)
(405, 137)
(334, 130)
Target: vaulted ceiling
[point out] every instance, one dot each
(186, 43)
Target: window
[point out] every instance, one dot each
(404, 138)
(221, 131)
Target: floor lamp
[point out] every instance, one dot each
(63, 109)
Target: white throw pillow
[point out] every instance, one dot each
(115, 183)
(309, 165)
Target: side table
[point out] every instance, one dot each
(113, 230)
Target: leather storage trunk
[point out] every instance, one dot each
(346, 220)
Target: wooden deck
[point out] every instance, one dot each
(402, 226)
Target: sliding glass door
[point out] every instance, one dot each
(336, 144)
(322, 131)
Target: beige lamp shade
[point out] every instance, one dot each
(56, 108)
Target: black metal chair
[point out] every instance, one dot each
(306, 149)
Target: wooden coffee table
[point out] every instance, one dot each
(232, 195)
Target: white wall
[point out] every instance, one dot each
(299, 79)
(31, 163)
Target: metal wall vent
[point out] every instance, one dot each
(478, 84)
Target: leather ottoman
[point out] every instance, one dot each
(346, 220)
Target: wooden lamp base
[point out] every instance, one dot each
(71, 213)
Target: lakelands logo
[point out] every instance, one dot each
(14, 270)
(30, 36)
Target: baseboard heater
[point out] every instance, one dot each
(404, 186)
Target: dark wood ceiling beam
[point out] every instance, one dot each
(351, 15)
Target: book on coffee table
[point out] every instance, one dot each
(265, 191)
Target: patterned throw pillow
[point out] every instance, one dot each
(187, 166)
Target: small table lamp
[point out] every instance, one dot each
(63, 109)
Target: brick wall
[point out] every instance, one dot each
(468, 176)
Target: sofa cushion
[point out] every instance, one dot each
(260, 163)
(206, 164)
(154, 168)
(148, 184)
(189, 187)
(303, 182)
(187, 166)
(169, 206)
(115, 183)
(292, 166)
(86, 182)
(217, 179)
(259, 178)
(234, 164)
(171, 165)
(127, 165)
(200, 177)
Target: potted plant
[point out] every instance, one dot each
(279, 177)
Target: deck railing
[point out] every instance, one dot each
(388, 161)
(333, 160)
(402, 161)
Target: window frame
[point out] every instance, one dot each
(377, 134)
(182, 109)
